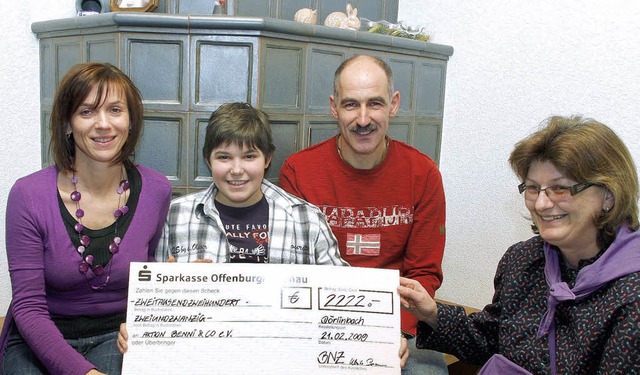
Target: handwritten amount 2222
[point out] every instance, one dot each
(341, 300)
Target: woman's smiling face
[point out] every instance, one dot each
(568, 224)
(100, 132)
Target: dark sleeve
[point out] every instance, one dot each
(620, 353)
(473, 338)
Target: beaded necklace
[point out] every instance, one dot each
(87, 261)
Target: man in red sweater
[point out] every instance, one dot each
(383, 199)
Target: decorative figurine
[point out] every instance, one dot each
(306, 15)
(399, 29)
(344, 21)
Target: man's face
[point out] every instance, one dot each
(363, 109)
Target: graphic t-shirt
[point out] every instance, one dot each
(390, 216)
(247, 231)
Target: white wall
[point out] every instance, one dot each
(514, 63)
(20, 103)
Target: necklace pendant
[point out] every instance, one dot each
(84, 267)
(125, 184)
(114, 247)
(85, 240)
(98, 270)
(78, 227)
(75, 196)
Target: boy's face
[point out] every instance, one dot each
(237, 172)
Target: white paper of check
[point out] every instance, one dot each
(208, 318)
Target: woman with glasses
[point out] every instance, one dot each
(567, 301)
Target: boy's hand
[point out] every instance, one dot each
(122, 338)
(404, 351)
(172, 259)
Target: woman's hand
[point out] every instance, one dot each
(415, 299)
(95, 372)
(404, 351)
(123, 336)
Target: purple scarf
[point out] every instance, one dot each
(500, 365)
(620, 259)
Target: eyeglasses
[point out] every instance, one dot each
(557, 193)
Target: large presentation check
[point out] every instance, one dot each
(207, 318)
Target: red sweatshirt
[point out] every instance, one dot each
(391, 216)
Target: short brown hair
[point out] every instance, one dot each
(79, 81)
(238, 123)
(586, 150)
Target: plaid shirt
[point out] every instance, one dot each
(298, 230)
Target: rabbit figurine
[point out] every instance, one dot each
(306, 15)
(344, 21)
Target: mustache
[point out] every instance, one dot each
(364, 129)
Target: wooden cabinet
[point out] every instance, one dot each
(187, 65)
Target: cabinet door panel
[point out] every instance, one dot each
(285, 137)
(157, 65)
(282, 77)
(427, 138)
(224, 69)
(430, 88)
(322, 63)
(163, 145)
(404, 70)
(199, 173)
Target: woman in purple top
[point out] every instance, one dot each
(567, 301)
(73, 228)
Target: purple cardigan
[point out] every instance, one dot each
(43, 265)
